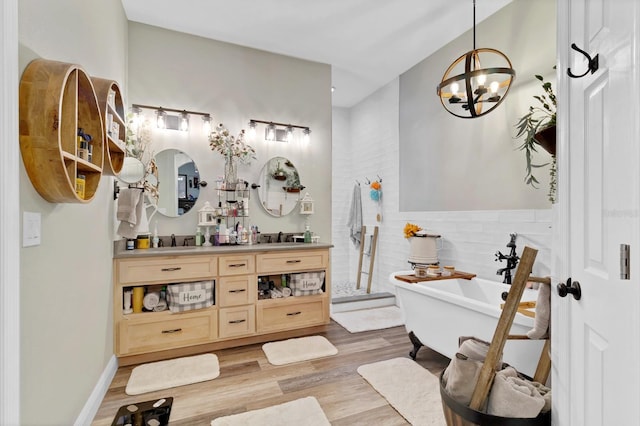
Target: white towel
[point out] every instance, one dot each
(355, 217)
(130, 212)
(543, 313)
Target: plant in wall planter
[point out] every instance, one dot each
(293, 183)
(538, 129)
(279, 173)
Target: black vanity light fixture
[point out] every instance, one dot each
(280, 132)
(180, 121)
(469, 90)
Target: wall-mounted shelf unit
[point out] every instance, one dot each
(57, 99)
(113, 110)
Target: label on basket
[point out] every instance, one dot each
(192, 296)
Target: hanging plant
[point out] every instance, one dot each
(538, 129)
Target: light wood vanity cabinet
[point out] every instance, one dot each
(237, 316)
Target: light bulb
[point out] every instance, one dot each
(252, 130)
(289, 134)
(160, 121)
(271, 133)
(494, 87)
(482, 78)
(184, 122)
(206, 125)
(454, 89)
(306, 135)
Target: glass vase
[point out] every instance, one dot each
(230, 172)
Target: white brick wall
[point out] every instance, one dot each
(366, 145)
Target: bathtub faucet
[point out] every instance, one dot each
(512, 260)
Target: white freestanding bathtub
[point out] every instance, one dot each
(439, 312)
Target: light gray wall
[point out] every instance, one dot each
(236, 84)
(469, 238)
(66, 281)
(449, 163)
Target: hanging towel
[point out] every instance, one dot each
(355, 217)
(543, 313)
(130, 212)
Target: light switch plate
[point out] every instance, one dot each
(31, 229)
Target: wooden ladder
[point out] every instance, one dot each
(372, 256)
(511, 306)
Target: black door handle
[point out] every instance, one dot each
(570, 288)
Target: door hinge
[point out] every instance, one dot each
(625, 273)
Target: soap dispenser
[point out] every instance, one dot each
(307, 234)
(156, 239)
(198, 237)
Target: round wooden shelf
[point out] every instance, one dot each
(57, 99)
(115, 132)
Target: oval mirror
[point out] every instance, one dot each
(177, 181)
(132, 170)
(280, 187)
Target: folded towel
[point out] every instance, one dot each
(512, 396)
(355, 217)
(543, 313)
(461, 377)
(462, 373)
(151, 300)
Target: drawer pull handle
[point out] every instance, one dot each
(175, 330)
(294, 261)
(237, 321)
(240, 290)
(237, 265)
(177, 268)
(293, 314)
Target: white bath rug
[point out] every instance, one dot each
(299, 349)
(369, 319)
(171, 373)
(304, 411)
(412, 390)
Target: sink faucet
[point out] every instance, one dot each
(279, 237)
(512, 260)
(186, 241)
(173, 240)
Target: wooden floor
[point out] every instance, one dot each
(247, 382)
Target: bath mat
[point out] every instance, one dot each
(303, 411)
(412, 390)
(369, 319)
(299, 349)
(171, 373)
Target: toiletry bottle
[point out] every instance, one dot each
(156, 239)
(307, 234)
(198, 237)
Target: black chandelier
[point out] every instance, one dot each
(468, 90)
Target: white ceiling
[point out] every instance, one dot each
(368, 43)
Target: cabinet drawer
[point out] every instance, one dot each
(235, 322)
(240, 290)
(292, 315)
(167, 331)
(237, 264)
(292, 261)
(166, 269)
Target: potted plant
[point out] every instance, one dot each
(293, 183)
(279, 173)
(538, 128)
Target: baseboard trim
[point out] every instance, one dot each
(99, 391)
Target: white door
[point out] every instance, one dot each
(597, 342)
